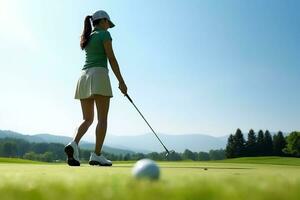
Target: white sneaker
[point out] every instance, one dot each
(72, 152)
(99, 160)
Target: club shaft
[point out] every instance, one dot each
(147, 123)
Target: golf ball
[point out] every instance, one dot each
(146, 168)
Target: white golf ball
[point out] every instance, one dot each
(146, 168)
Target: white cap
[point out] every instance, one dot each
(101, 14)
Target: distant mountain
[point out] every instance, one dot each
(12, 134)
(139, 143)
(48, 138)
(129, 144)
(148, 142)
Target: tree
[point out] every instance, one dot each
(251, 143)
(239, 143)
(9, 149)
(137, 156)
(22, 147)
(218, 154)
(47, 157)
(260, 143)
(174, 156)
(30, 156)
(154, 156)
(293, 144)
(203, 156)
(84, 154)
(230, 147)
(127, 157)
(268, 144)
(40, 148)
(188, 155)
(279, 144)
(58, 152)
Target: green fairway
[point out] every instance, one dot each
(17, 160)
(265, 160)
(179, 180)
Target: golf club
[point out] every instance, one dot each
(168, 152)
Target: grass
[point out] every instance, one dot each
(232, 179)
(265, 160)
(17, 160)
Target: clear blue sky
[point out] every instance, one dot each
(191, 66)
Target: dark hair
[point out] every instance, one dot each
(87, 30)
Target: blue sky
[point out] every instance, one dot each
(192, 66)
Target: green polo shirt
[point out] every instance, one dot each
(94, 51)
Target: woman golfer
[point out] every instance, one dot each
(94, 85)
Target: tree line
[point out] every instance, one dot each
(262, 144)
(218, 154)
(54, 152)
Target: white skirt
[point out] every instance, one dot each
(94, 80)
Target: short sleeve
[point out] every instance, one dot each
(106, 36)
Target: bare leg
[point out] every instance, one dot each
(102, 104)
(87, 106)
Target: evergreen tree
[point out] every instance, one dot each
(251, 144)
(279, 144)
(268, 144)
(293, 144)
(260, 143)
(230, 147)
(239, 143)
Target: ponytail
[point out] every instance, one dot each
(87, 30)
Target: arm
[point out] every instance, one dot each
(114, 65)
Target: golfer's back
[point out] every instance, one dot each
(95, 52)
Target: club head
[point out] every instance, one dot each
(167, 153)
